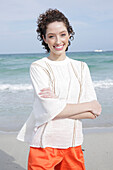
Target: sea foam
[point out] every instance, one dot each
(108, 83)
(15, 87)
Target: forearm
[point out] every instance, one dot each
(86, 115)
(74, 110)
(80, 110)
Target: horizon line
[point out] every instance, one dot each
(48, 53)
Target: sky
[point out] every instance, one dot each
(92, 21)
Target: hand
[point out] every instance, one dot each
(47, 93)
(95, 107)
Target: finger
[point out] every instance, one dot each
(48, 88)
(46, 92)
(46, 96)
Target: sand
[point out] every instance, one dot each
(98, 151)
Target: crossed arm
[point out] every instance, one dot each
(87, 110)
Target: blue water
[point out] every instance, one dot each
(17, 95)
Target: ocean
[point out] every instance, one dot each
(16, 93)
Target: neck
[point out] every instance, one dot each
(55, 57)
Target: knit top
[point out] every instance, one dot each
(71, 82)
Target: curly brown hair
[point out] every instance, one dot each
(48, 17)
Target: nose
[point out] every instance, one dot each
(58, 41)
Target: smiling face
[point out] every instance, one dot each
(57, 39)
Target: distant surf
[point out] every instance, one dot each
(108, 83)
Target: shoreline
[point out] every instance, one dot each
(98, 130)
(85, 130)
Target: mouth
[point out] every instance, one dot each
(59, 47)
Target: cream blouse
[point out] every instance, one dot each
(71, 82)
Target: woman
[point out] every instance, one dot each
(63, 95)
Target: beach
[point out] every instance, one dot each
(98, 146)
(16, 105)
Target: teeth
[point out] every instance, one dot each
(59, 47)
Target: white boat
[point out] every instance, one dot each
(98, 50)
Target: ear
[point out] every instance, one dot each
(44, 39)
(69, 36)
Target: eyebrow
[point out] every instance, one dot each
(54, 33)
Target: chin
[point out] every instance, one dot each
(59, 52)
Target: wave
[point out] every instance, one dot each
(108, 83)
(15, 87)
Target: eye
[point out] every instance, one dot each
(51, 36)
(63, 34)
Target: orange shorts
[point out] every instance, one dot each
(56, 159)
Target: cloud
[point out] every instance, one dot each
(13, 10)
(91, 19)
(95, 10)
(100, 10)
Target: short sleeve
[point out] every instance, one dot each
(87, 91)
(44, 109)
